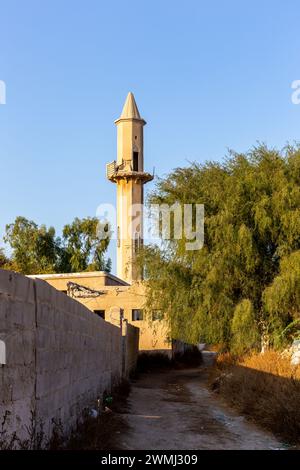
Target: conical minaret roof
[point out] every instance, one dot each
(130, 109)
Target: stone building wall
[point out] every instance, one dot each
(153, 335)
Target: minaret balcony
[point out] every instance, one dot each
(124, 171)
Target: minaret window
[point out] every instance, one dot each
(137, 242)
(135, 161)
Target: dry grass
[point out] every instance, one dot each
(264, 387)
(273, 362)
(101, 433)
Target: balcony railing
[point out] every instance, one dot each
(111, 169)
(115, 172)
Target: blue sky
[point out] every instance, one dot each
(207, 76)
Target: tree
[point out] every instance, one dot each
(4, 261)
(282, 300)
(83, 250)
(252, 223)
(243, 328)
(36, 249)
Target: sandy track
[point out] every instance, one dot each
(174, 410)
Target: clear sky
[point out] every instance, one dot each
(206, 75)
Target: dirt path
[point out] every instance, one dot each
(174, 410)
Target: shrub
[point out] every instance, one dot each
(243, 328)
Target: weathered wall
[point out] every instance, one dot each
(131, 347)
(17, 330)
(78, 356)
(93, 279)
(60, 356)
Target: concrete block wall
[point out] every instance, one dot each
(78, 357)
(131, 346)
(18, 331)
(60, 356)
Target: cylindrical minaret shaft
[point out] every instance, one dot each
(128, 173)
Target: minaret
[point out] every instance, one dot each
(128, 173)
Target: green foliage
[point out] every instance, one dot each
(4, 261)
(252, 224)
(83, 249)
(243, 328)
(282, 300)
(36, 249)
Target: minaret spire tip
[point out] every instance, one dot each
(130, 109)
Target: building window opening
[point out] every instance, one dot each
(135, 161)
(100, 313)
(137, 314)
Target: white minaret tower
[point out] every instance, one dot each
(128, 173)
